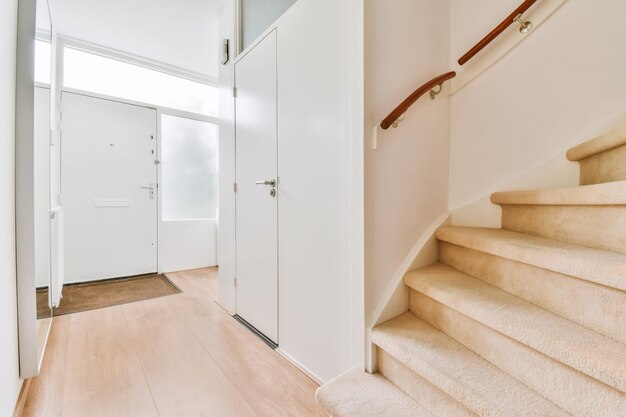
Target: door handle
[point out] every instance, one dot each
(271, 183)
(151, 188)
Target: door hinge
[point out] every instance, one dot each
(235, 282)
(235, 187)
(234, 92)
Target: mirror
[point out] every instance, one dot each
(42, 129)
(34, 227)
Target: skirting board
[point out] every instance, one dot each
(394, 301)
(301, 367)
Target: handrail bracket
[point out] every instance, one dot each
(434, 93)
(525, 26)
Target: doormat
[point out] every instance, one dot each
(107, 293)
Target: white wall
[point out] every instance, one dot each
(181, 33)
(314, 191)
(407, 175)
(187, 244)
(552, 91)
(9, 368)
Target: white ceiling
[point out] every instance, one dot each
(182, 33)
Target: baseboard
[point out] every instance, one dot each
(410, 262)
(395, 300)
(301, 367)
(21, 399)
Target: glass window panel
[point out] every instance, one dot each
(189, 168)
(42, 62)
(258, 15)
(98, 74)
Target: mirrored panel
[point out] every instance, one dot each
(41, 148)
(32, 179)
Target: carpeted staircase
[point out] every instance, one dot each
(528, 320)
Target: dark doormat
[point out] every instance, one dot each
(108, 293)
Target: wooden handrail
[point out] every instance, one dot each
(510, 19)
(408, 102)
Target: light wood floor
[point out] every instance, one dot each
(180, 356)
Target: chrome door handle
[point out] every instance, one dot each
(271, 183)
(151, 188)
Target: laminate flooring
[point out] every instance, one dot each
(176, 356)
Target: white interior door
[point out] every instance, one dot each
(109, 182)
(256, 171)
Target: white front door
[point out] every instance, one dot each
(256, 173)
(109, 188)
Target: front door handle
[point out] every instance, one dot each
(151, 188)
(271, 183)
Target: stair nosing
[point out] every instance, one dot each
(478, 294)
(603, 194)
(466, 393)
(531, 250)
(321, 397)
(603, 143)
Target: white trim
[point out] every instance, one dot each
(129, 58)
(398, 280)
(356, 178)
(301, 367)
(161, 109)
(159, 194)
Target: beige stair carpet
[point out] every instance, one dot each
(603, 267)
(570, 343)
(568, 388)
(430, 397)
(460, 373)
(592, 305)
(528, 320)
(601, 159)
(358, 394)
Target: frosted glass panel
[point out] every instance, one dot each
(258, 15)
(189, 168)
(98, 74)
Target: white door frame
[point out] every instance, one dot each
(160, 110)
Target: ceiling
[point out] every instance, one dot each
(182, 33)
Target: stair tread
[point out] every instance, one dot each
(611, 193)
(572, 344)
(359, 394)
(590, 264)
(602, 143)
(459, 372)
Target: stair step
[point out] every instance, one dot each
(602, 159)
(599, 266)
(605, 194)
(431, 398)
(460, 373)
(568, 388)
(602, 143)
(595, 306)
(572, 344)
(359, 394)
(590, 215)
